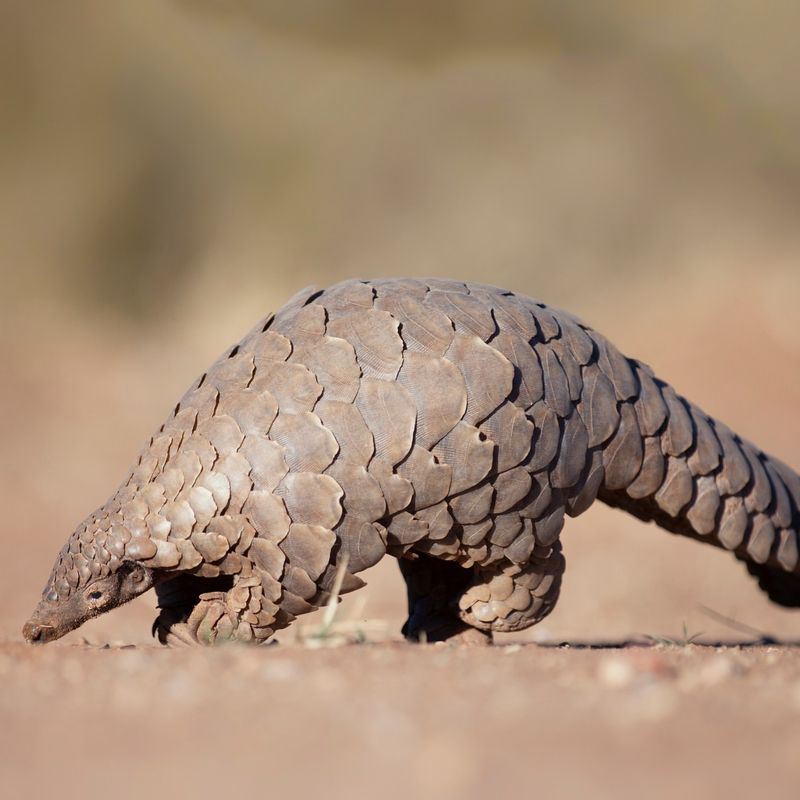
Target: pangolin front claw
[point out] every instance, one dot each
(216, 618)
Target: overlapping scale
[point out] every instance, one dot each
(488, 375)
(292, 385)
(375, 338)
(390, 414)
(512, 433)
(333, 363)
(423, 328)
(439, 394)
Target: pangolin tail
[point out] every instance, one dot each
(699, 479)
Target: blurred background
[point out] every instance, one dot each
(173, 170)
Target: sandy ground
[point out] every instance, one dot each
(399, 720)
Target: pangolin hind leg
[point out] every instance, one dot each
(434, 587)
(206, 611)
(447, 601)
(507, 597)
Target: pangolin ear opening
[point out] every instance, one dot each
(136, 579)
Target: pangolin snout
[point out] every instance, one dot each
(36, 633)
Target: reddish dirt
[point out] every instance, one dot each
(400, 720)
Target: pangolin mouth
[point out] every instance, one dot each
(36, 633)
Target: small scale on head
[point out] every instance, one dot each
(77, 592)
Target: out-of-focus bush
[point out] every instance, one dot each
(156, 153)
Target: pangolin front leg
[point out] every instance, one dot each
(197, 611)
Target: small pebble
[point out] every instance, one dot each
(278, 670)
(716, 671)
(616, 672)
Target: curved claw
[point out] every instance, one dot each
(210, 622)
(179, 635)
(204, 618)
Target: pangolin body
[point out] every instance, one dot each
(450, 425)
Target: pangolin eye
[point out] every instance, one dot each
(95, 595)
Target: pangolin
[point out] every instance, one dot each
(450, 425)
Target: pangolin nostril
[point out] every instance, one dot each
(34, 632)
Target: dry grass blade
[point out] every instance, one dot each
(737, 625)
(333, 601)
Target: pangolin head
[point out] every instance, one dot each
(95, 571)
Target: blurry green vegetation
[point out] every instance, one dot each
(154, 152)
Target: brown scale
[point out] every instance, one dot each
(453, 426)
